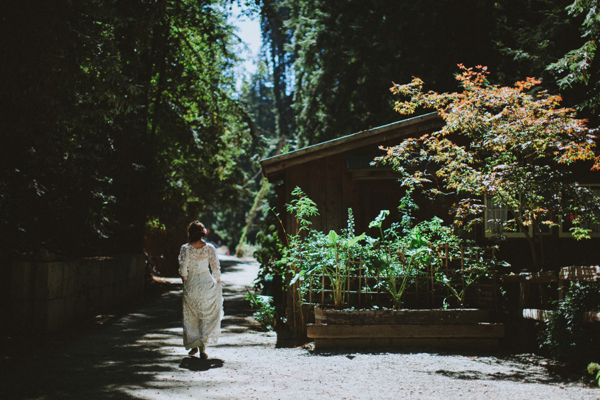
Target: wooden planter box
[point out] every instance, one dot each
(456, 329)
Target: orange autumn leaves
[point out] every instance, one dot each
(530, 124)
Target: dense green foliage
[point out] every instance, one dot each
(403, 253)
(566, 335)
(120, 117)
(265, 313)
(351, 51)
(577, 69)
(342, 56)
(531, 34)
(116, 113)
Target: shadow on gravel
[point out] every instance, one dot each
(114, 356)
(107, 357)
(231, 265)
(198, 364)
(522, 377)
(523, 368)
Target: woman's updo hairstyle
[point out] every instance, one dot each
(196, 231)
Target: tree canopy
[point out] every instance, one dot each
(116, 113)
(121, 115)
(500, 145)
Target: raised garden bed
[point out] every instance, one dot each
(464, 329)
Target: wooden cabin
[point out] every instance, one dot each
(338, 175)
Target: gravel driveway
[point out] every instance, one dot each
(139, 355)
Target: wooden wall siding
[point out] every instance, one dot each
(323, 181)
(330, 185)
(317, 184)
(324, 176)
(335, 209)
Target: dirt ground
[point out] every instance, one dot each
(139, 355)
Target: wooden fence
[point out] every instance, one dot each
(538, 291)
(49, 296)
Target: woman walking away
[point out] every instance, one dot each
(202, 292)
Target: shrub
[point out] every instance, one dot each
(566, 336)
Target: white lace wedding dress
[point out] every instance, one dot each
(202, 295)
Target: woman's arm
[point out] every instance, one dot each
(215, 266)
(183, 269)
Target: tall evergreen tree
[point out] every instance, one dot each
(277, 36)
(577, 70)
(347, 54)
(532, 34)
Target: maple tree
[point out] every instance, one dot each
(507, 146)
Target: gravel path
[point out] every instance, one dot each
(139, 355)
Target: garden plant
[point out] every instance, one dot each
(401, 254)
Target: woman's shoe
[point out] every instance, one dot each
(203, 356)
(193, 351)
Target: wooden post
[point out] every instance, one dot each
(495, 283)
(294, 294)
(462, 267)
(322, 290)
(377, 284)
(561, 283)
(447, 257)
(348, 287)
(359, 281)
(417, 297)
(431, 284)
(524, 294)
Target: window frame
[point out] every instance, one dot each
(519, 235)
(488, 232)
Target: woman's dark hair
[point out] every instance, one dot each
(195, 231)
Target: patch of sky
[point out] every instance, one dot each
(247, 24)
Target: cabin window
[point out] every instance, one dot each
(496, 215)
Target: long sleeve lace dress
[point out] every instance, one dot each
(202, 295)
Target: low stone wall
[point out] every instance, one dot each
(47, 296)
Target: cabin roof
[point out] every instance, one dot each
(273, 167)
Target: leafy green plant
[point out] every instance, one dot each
(411, 250)
(565, 335)
(594, 369)
(268, 254)
(397, 257)
(400, 255)
(403, 251)
(265, 313)
(302, 209)
(476, 264)
(341, 263)
(333, 255)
